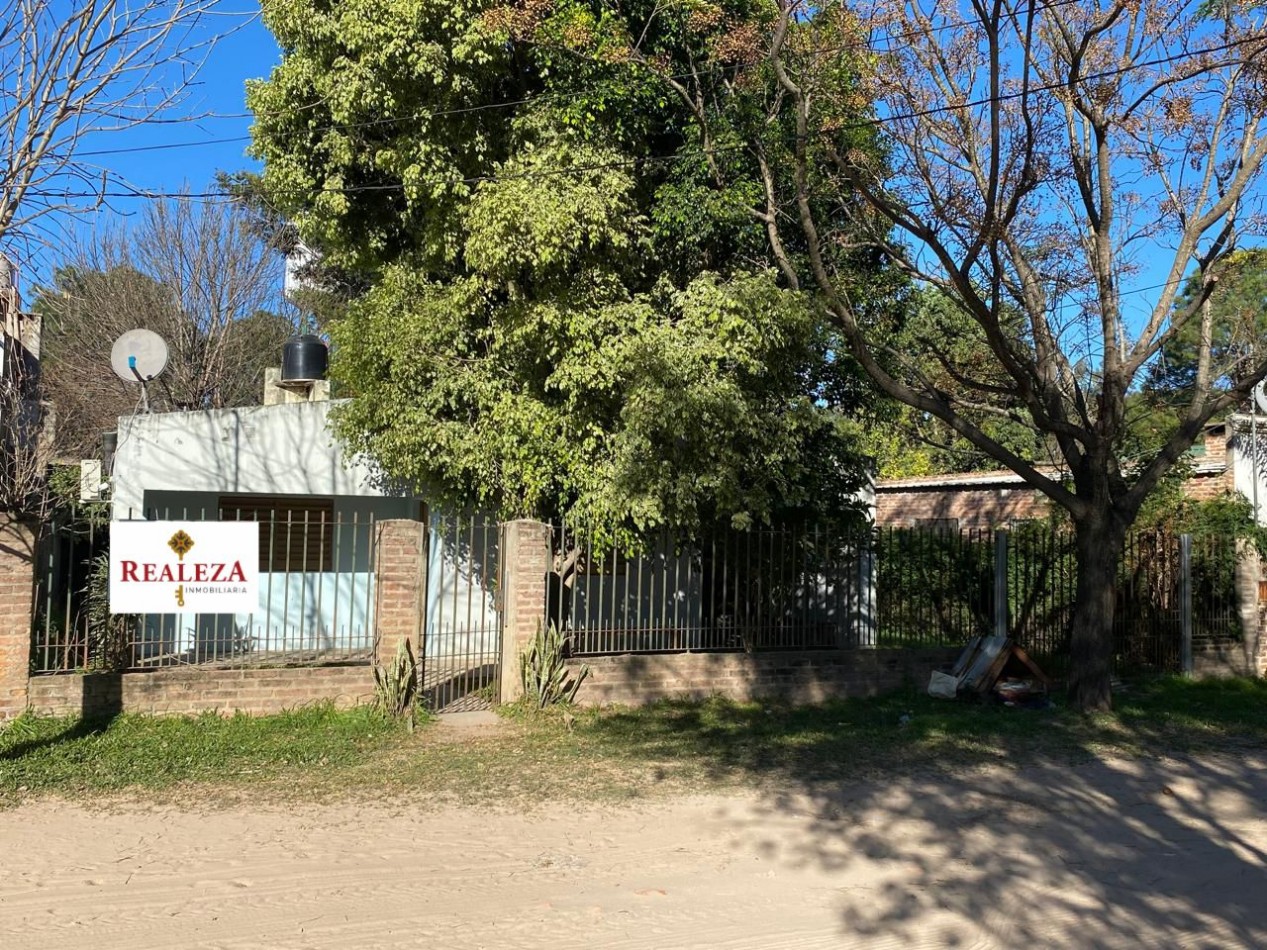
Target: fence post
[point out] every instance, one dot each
(525, 563)
(17, 575)
(1185, 602)
(401, 570)
(1000, 582)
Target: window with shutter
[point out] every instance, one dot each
(296, 532)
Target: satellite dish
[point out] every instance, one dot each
(138, 356)
(1259, 393)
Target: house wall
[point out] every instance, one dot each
(979, 507)
(990, 500)
(180, 465)
(1243, 459)
(271, 450)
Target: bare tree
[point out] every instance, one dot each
(69, 68)
(198, 274)
(1056, 170)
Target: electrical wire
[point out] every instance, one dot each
(482, 107)
(874, 122)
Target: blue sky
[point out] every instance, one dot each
(219, 97)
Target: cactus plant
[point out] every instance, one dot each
(396, 686)
(547, 680)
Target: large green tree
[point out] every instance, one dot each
(569, 312)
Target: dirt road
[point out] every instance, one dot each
(1107, 854)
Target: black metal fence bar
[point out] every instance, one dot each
(461, 656)
(316, 600)
(734, 590)
(806, 588)
(762, 589)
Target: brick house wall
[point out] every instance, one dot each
(985, 500)
(904, 504)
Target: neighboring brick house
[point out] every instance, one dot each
(999, 498)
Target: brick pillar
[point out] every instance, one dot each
(400, 567)
(17, 582)
(525, 563)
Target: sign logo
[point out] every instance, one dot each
(163, 567)
(181, 543)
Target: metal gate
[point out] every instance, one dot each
(460, 667)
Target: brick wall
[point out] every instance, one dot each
(401, 578)
(184, 691)
(1203, 486)
(977, 506)
(17, 558)
(971, 507)
(805, 677)
(525, 558)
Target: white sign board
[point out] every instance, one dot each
(169, 567)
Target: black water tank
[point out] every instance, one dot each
(304, 359)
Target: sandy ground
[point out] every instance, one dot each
(1109, 854)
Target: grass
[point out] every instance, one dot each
(586, 755)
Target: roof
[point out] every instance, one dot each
(959, 480)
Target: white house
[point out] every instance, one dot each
(281, 465)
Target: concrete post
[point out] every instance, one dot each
(525, 564)
(17, 584)
(400, 568)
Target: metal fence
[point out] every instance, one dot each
(461, 659)
(933, 586)
(941, 587)
(738, 590)
(316, 602)
(802, 589)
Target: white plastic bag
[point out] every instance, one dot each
(943, 686)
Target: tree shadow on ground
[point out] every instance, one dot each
(959, 826)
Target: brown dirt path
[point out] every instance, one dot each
(1116, 853)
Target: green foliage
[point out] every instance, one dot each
(396, 686)
(63, 490)
(1238, 322)
(544, 673)
(1228, 515)
(564, 312)
(109, 634)
(926, 336)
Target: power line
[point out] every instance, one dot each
(874, 122)
(462, 110)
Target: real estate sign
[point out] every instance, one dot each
(168, 567)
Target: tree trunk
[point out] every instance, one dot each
(1100, 540)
